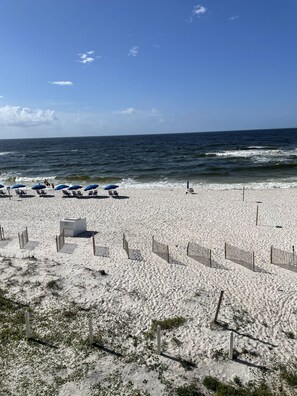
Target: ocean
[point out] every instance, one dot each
(255, 159)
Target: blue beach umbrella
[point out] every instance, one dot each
(38, 187)
(75, 187)
(17, 186)
(111, 187)
(61, 186)
(1, 186)
(91, 187)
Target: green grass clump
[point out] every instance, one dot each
(220, 389)
(211, 383)
(188, 390)
(168, 324)
(289, 377)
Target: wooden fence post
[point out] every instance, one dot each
(188, 184)
(210, 258)
(225, 250)
(253, 261)
(231, 345)
(188, 246)
(257, 215)
(218, 307)
(271, 249)
(159, 339)
(243, 194)
(94, 246)
(91, 335)
(27, 321)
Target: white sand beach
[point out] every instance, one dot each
(64, 290)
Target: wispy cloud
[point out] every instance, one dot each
(232, 18)
(1, 96)
(133, 51)
(199, 10)
(69, 83)
(138, 112)
(129, 110)
(86, 57)
(25, 117)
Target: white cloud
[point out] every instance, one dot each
(199, 10)
(133, 51)
(232, 18)
(25, 117)
(86, 58)
(61, 83)
(139, 112)
(1, 96)
(129, 110)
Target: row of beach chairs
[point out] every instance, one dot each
(90, 193)
(79, 193)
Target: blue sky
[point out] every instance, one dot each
(110, 67)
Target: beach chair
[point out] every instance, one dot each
(95, 193)
(79, 193)
(110, 192)
(2, 192)
(90, 192)
(190, 191)
(22, 192)
(43, 193)
(38, 192)
(116, 193)
(74, 193)
(66, 193)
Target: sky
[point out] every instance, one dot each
(118, 67)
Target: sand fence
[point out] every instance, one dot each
(133, 254)
(239, 256)
(284, 259)
(101, 251)
(1, 233)
(199, 253)
(60, 241)
(160, 249)
(24, 241)
(281, 258)
(3, 240)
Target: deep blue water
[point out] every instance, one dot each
(257, 157)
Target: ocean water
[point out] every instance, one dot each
(256, 159)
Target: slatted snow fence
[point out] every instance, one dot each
(199, 253)
(161, 250)
(23, 238)
(239, 256)
(284, 259)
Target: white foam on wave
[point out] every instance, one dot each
(259, 155)
(34, 179)
(6, 152)
(290, 182)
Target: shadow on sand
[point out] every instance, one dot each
(107, 350)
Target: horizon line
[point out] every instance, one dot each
(151, 134)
